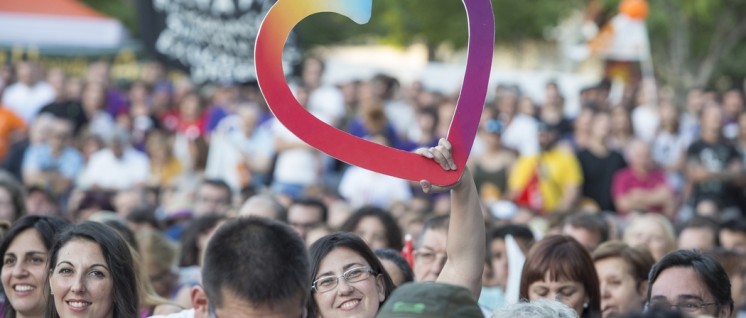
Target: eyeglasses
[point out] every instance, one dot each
(428, 257)
(690, 306)
(305, 226)
(354, 275)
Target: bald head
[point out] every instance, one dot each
(265, 206)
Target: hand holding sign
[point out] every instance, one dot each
(278, 23)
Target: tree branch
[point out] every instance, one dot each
(723, 40)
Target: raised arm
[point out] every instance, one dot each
(465, 244)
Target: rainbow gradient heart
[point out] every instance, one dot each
(273, 33)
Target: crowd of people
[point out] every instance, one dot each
(161, 197)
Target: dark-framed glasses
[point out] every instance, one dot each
(689, 306)
(353, 275)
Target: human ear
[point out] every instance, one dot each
(199, 302)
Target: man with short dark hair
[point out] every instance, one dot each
(732, 235)
(698, 233)
(213, 196)
(253, 267)
(306, 214)
(590, 230)
(692, 282)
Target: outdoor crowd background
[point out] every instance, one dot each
(170, 160)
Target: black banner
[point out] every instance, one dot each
(212, 40)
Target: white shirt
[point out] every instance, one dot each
(402, 116)
(186, 313)
(26, 101)
(300, 166)
(645, 121)
(107, 171)
(327, 101)
(364, 187)
(522, 134)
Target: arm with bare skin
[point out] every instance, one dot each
(465, 245)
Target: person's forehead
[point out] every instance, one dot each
(697, 233)
(341, 259)
(736, 235)
(497, 244)
(211, 189)
(305, 212)
(678, 282)
(435, 240)
(554, 284)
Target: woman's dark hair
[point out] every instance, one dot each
(326, 244)
(46, 226)
(99, 200)
(17, 194)
(127, 234)
(396, 258)
(562, 257)
(118, 258)
(190, 252)
(144, 215)
(393, 232)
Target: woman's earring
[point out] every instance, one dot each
(585, 305)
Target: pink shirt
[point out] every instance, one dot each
(625, 181)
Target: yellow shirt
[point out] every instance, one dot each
(558, 170)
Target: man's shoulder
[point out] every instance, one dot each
(186, 313)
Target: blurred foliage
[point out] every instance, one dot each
(435, 22)
(693, 42)
(124, 10)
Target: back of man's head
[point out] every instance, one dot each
(258, 261)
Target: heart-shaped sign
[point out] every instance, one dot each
(273, 33)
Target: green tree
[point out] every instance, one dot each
(690, 39)
(436, 22)
(123, 10)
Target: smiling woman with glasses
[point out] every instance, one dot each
(348, 279)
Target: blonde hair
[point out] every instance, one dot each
(157, 251)
(662, 221)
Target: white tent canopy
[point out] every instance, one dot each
(57, 23)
